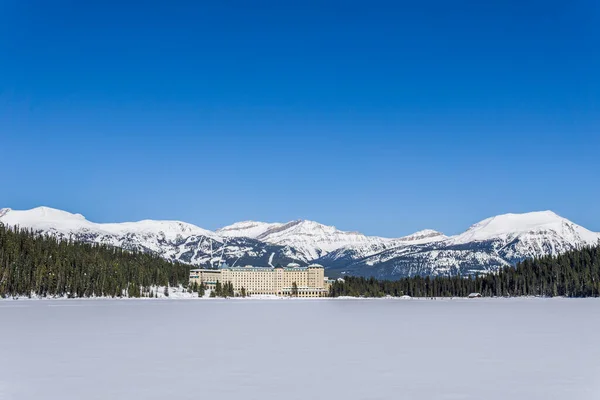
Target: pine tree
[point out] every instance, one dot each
(201, 290)
(43, 265)
(31, 263)
(573, 274)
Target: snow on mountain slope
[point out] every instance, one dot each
(422, 260)
(173, 240)
(507, 227)
(251, 229)
(422, 237)
(353, 252)
(515, 237)
(46, 218)
(166, 238)
(313, 239)
(486, 246)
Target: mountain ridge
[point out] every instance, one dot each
(485, 246)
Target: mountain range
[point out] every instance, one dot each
(493, 243)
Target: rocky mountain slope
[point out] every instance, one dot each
(488, 245)
(173, 240)
(310, 239)
(251, 229)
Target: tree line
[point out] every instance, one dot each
(572, 274)
(31, 263)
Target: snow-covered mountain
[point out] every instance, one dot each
(347, 254)
(308, 238)
(315, 240)
(533, 228)
(173, 240)
(64, 223)
(251, 229)
(487, 245)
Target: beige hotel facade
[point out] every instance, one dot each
(278, 281)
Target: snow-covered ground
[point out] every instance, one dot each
(493, 349)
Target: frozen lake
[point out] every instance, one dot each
(300, 349)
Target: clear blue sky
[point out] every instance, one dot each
(383, 117)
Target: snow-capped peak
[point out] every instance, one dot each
(251, 229)
(424, 236)
(44, 213)
(43, 218)
(314, 239)
(168, 228)
(51, 219)
(513, 225)
(299, 227)
(487, 245)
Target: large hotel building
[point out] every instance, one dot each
(279, 281)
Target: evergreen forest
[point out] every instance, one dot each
(573, 274)
(34, 264)
(31, 263)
